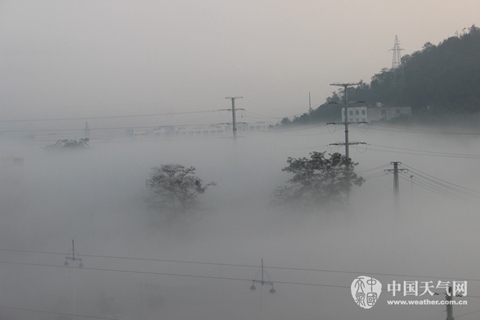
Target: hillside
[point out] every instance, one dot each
(438, 81)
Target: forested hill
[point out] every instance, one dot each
(438, 80)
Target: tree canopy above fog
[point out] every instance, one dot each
(175, 187)
(317, 181)
(440, 79)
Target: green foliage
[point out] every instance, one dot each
(439, 81)
(285, 121)
(318, 180)
(175, 188)
(66, 144)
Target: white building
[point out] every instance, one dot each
(380, 112)
(356, 114)
(374, 113)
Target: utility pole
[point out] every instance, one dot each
(310, 107)
(411, 180)
(234, 119)
(345, 99)
(74, 256)
(347, 143)
(396, 185)
(449, 297)
(87, 130)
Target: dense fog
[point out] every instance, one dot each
(199, 265)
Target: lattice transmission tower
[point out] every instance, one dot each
(397, 66)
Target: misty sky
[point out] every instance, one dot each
(101, 58)
(65, 58)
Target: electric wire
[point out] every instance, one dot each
(468, 313)
(435, 190)
(264, 115)
(375, 176)
(183, 275)
(448, 191)
(109, 117)
(213, 264)
(300, 128)
(171, 274)
(379, 167)
(298, 135)
(93, 129)
(443, 185)
(134, 258)
(409, 130)
(426, 152)
(439, 187)
(458, 186)
(421, 153)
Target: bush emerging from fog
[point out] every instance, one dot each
(66, 144)
(318, 180)
(175, 188)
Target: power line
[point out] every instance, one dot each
(432, 189)
(405, 129)
(466, 314)
(263, 115)
(375, 175)
(300, 128)
(208, 263)
(442, 189)
(134, 258)
(432, 184)
(110, 117)
(427, 152)
(382, 166)
(295, 135)
(174, 274)
(135, 104)
(115, 128)
(467, 189)
(231, 278)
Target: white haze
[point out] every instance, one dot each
(84, 60)
(89, 58)
(96, 197)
